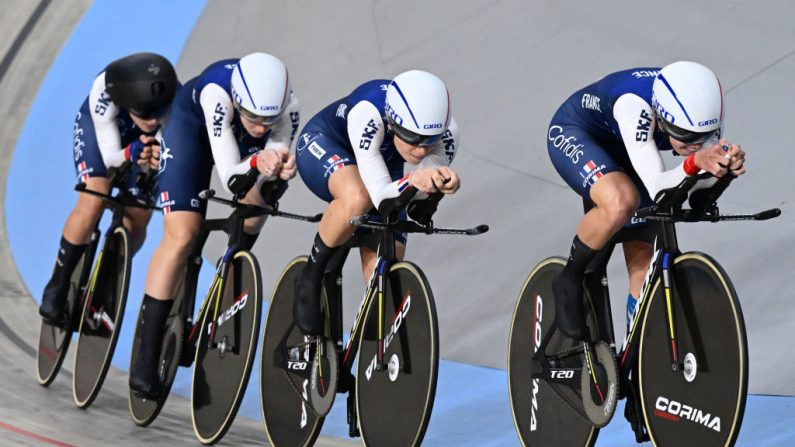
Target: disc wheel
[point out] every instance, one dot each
(101, 317)
(702, 403)
(225, 349)
(542, 416)
(284, 392)
(394, 399)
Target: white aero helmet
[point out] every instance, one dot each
(688, 100)
(260, 88)
(417, 107)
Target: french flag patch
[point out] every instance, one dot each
(590, 166)
(403, 183)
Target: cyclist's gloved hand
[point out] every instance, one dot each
(134, 150)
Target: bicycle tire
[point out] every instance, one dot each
(288, 418)
(107, 290)
(710, 327)
(394, 405)
(541, 417)
(220, 375)
(54, 340)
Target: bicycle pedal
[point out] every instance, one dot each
(353, 420)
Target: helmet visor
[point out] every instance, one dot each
(257, 119)
(684, 135)
(147, 114)
(410, 137)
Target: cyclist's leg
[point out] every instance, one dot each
(330, 172)
(136, 221)
(90, 169)
(182, 176)
(637, 255)
(590, 170)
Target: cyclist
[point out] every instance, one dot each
(239, 114)
(118, 121)
(352, 153)
(606, 142)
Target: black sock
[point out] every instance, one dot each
(579, 257)
(65, 263)
(318, 258)
(154, 314)
(247, 241)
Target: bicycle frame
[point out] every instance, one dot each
(375, 290)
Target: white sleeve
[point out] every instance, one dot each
(283, 132)
(636, 123)
(366, 133)
(443, 152)
(218, 114)
(103, 114)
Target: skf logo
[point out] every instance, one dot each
(218, 119)
(644, 125)
(367, 136)
(102, 104)
(449, 145)
(295, 119)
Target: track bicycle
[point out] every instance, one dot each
(221, 341)
(683, 365)
(97, 296)
(395, 334)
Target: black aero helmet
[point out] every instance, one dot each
(142, 83)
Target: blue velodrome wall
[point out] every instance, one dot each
(471, 406)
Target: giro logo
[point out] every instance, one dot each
(708, 122)
(667, 116)
(675, 411)
(400, 317)
(566, 145)
(236, 307)
(539, 307)
(432, 126)
(393, 115)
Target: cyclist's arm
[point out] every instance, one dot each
(218, 113)
(443, 152)
(366, 133)
(636, 122)
(283, 132)
(103, 114)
